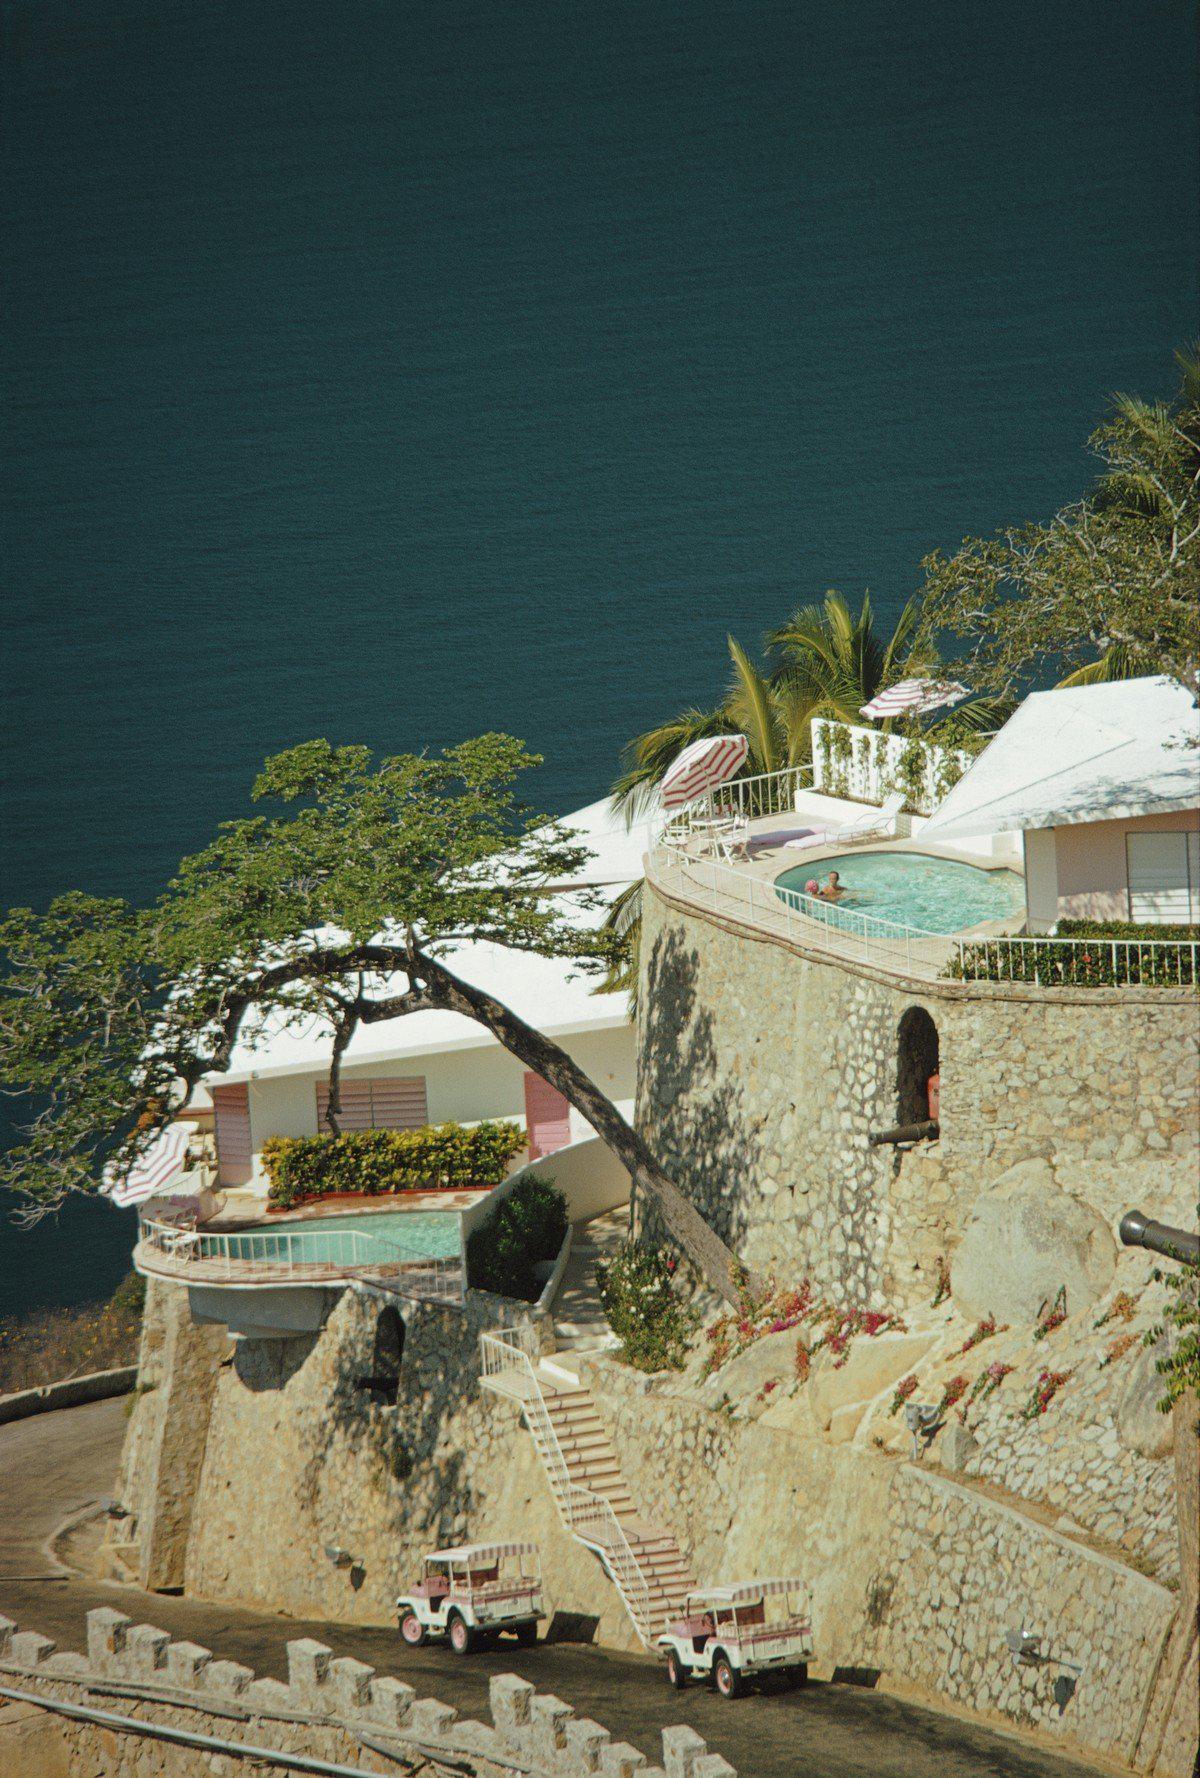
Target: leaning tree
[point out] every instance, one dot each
(351, 904)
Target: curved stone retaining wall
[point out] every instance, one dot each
(762, 1071)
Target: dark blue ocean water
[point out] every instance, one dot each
(389, 371)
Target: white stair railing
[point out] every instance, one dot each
(508, 1365)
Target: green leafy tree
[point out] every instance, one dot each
(1110, 587)
(346, 904)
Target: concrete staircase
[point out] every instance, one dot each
(643, 1561)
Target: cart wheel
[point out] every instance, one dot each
(729, 1680)
(462, 1639)
(799, 1674)
(412, 1630)
(526, 1635)
(676, 1671)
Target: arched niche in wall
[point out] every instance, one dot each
(917, 1059)
(387, 1356)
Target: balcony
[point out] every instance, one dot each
(724, 856)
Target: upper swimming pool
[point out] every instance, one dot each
(910, 889)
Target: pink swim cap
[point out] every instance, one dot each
(811, 887)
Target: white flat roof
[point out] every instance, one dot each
(550, 993)
(1081, 753)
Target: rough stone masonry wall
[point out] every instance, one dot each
(912, 1574)
(293, 1457)
(761, 1072)
(329, 1709)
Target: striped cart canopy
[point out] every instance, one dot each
(912, 697)
(154, 1168)
(701, 768)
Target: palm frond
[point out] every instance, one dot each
(751, 704)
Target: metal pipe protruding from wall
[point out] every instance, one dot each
(927, 1130)
(1139, 1230)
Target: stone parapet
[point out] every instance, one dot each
(530, 1733)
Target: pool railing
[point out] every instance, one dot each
(682, 869)
(294, 1256)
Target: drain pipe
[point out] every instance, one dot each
(928, 1130)
(1138, 1230)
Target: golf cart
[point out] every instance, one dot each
(734, 1634)
(471, 1594)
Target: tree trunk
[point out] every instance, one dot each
(702, 1244)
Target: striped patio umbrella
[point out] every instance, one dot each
(701, 768)
(153, 1169)
(913, 697)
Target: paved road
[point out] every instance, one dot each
(53, 1465)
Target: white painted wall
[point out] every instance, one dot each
(1041, 880)
(1092, 863)
(463, 1086)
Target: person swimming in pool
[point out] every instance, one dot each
(833, 890)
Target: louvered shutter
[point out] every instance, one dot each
(547, 1116)
(1160, 889)
(231, 1107)
(377, 1104)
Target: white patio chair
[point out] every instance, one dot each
(733, 840)
(876, 824)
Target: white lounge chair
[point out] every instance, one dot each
(875, 824)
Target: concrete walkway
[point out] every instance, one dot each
(579, 1323)
(55, 1464)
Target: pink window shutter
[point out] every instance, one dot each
(547, 1117)
(235, 1157)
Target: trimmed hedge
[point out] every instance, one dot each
(527, 1227)
(376, 1163)
(1082, 964)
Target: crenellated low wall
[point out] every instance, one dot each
(138, 1705)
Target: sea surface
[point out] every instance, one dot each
(390, 371)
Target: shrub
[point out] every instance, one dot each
(643, 1309)
(1068, 960)
(527, 1228)
(375, 1163)
(53, 1344)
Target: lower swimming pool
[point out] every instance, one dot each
(912, 889)
(349, 1238)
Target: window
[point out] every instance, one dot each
(235, 1157)
(377, 1104)
(917, 1064)
(547, 1116)
(1164, 876)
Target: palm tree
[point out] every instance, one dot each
(825, 662)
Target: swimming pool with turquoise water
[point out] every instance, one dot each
(433, 1234)
(911, 889)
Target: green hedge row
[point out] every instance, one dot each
(527, 1227)
(439, 1157)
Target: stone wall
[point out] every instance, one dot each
(915, 1577)
(762, 1070)
(335, 1709)
(294, 1457)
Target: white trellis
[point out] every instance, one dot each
(867, 765)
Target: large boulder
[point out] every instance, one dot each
(871, 1366)
(1140, 1426)
(1025, 1240)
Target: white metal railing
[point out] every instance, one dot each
(304, 1255)
(742, 799)
(1044, 961)
(510, 1356)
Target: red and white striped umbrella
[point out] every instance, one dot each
(914, 696)
(155, 1167)
(701, 767)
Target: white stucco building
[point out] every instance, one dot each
(1103, 782)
